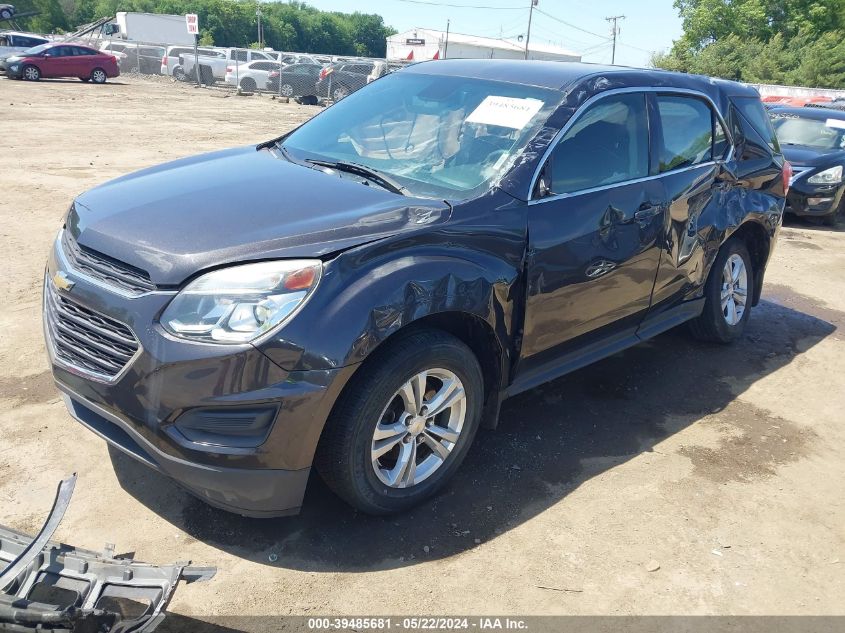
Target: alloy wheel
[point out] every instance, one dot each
(31, 73)
(286, 90)
(418, 428)
(98, 76)
(734, 293)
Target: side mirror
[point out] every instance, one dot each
(46, 54)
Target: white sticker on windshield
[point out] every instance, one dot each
(835, 123)
(505, 111)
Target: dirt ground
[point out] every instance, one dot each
(725, 466)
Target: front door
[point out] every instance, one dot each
(595, 230)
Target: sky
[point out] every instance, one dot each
(578, 25)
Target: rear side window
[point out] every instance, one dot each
(752, 110)
(608, 144)
(687, 127)
(239, 56)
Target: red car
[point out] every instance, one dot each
(58, 59)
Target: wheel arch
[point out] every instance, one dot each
(758, 241)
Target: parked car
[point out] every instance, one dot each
(136, 58)
(58, 59)
(13, 42)
(342, 79)
(170, 60)
(292, 58)
(813, 140)
(250, 76)
(215, 66)
(297, 80)
(362, 293)
(7, 11)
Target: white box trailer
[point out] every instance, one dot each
(152, 28)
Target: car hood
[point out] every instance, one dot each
(803, 156)
(237, 205)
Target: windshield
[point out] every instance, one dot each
(792, 129)
(444, 137)
(36, 49)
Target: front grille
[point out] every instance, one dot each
(797, 171)
(103, 268)
(84, 339)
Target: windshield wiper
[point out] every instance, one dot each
(377, 177)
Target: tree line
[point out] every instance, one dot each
(287, 26)
(789, 42)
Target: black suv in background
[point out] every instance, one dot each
(362, 293)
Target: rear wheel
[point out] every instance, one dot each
(179, 74)
(728, 292)
(403, 424)
(31, 73)
(5, 14)
(339, 92)
(286, 90)
(98, 76)
(248, 84)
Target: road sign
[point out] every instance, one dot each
(193, 23)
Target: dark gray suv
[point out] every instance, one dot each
(362, 293)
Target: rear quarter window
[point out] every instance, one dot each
(752, 110)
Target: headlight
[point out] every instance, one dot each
(830, 176)
(240, 303)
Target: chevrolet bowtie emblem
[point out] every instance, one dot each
(61, 281)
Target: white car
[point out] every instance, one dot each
(251, 76)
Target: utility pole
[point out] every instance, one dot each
(446, 46)
(614, 19)
(260, 33)
(528, 34)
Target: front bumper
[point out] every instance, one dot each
(143, 409)
(14, 70)
(805, 199)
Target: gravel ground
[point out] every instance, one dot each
(674, 478)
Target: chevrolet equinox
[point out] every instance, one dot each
(363, 292)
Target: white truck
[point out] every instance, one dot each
(214, 68)
(152, 28)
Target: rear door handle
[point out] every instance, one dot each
(647, 211)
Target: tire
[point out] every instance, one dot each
(5, 14)
(98, 76)
(340, 92)
(248, 84)
(346, 456)
(31, 73)
(179, 74)
(716, 323)
(286, 90)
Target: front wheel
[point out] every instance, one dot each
(727, 296)
(403, 424)
(31, 73)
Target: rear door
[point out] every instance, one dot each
(691, 140)
(86, 59)
(594, 230)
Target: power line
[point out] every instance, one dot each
(577, 28)
(461, 6)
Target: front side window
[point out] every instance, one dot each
(607, 144)
(439, 136)
(687, 127)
